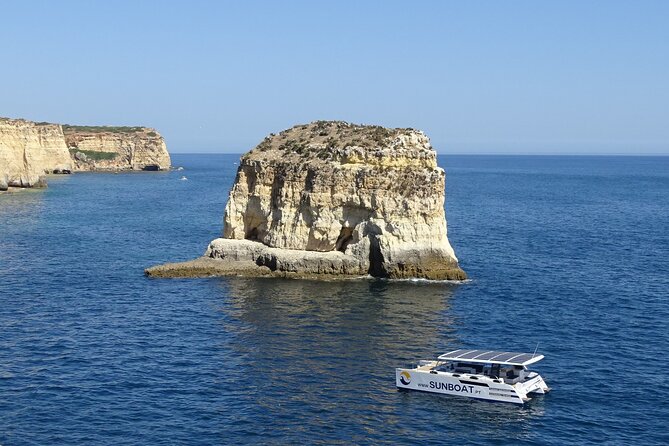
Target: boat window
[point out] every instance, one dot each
(473, 383)
(444, 367)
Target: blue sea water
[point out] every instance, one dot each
(567, 252)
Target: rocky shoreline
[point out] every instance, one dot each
(333, 200)
(291, 265)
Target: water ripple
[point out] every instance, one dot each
(566, 252)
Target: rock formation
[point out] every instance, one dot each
(28, 150)
(333, 199)
(116, 148)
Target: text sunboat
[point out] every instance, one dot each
(484, 374)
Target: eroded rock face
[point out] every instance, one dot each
(29, 150)
(332, 198)
(116, 148)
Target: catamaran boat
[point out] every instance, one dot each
(483, 374)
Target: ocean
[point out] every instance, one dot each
(570, 254)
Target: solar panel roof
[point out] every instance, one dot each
(491, 357)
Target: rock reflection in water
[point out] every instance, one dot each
(303, 348)
(21, 211)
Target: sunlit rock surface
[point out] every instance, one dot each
(28, 150)
(334, 199)
(116, 148)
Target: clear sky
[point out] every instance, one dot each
(477, 76)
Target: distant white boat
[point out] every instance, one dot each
(180, 168)
(483, 374)
(183, 178)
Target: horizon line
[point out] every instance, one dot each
(474, 154)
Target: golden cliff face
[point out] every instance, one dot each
(29, 150)
(116, 148)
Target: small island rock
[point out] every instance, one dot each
(333, 199)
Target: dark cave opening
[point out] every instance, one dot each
(376, 259)
(345, 236)
(251, 234)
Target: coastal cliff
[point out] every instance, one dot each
(116, 148)
(332, 199)
(29, 150)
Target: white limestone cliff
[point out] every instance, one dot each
(29, 150)
(116, 148)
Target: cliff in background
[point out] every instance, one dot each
(333, 199)
(29, 150)
(116, 148)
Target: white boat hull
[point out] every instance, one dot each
(465, 385)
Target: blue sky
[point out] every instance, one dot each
(476, 76)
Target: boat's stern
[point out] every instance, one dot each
(403, 378)
(416, 376)
(534, 385)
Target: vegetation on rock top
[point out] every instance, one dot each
(94, 155)
(103, 129)
(69, 129)
(322, 139)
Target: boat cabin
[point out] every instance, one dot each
(507, 367)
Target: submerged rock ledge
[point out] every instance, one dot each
(333, 199)
(251, 258)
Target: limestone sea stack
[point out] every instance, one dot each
(333, 199)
